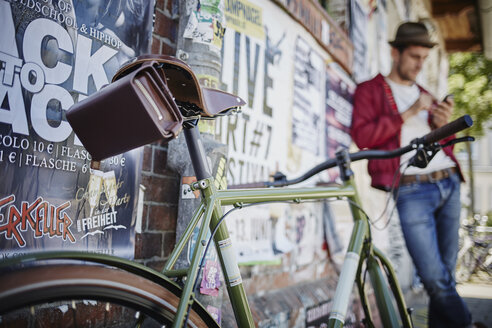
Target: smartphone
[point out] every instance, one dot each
(448, 97)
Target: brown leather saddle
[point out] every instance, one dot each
(191, 98)
(149, 99)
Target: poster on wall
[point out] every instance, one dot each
(339, 99)
(307, 128)
(383, 47)
(53, 54)
(251, 56)
(358, 35)
(277, 67)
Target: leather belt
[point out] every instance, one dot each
(430, 177)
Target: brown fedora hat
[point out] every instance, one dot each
(412, 33)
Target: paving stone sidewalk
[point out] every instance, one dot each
(478, 297)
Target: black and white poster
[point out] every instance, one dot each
(358, 35)
(339, 98)
(54, 53)
(307, 100)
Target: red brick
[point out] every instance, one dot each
(168, 50)
(88, 315)
(156, 265)
(160, 161)
(49, 317)
(145, 217)
(118, 316)
(161, 189)
(156, 45)
(165, 26)
(148, 245)
(151, 245)
(163, 218)
(170, 4)
(169, 242)
(138, 246)
(160, 4)
(147, 159)
(19, 318)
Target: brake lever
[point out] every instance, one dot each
(457, 140)
(426, 153)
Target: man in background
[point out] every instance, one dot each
(388, 113)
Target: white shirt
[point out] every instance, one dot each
(415, 127)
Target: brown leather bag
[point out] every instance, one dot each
(145, 103)
(136, 109)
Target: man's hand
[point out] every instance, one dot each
(423, 103)
(442, 113)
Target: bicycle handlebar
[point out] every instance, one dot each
(430, 138)
(448, 130)
(332, 162)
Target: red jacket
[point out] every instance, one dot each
(376, 124)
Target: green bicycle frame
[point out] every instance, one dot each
(359, 250)
(210, 212)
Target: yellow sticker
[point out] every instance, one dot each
(244, 17)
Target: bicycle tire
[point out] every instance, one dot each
(465, 266)
(46, 284)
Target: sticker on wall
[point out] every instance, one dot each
(206, 24)
(186, 192)
(214, 312)
(245, 17)
(211, 279)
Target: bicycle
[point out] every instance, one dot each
(168, 297)
(475, 254)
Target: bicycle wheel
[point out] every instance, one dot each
(465, 266)
(47, 296)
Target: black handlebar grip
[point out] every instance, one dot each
(449, 129)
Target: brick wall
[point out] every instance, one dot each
(154, 243)
(165, 27)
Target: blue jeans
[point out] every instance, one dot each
(429, 215)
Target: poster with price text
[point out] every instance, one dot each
(54, 53)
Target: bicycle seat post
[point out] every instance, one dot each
(197, 153)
